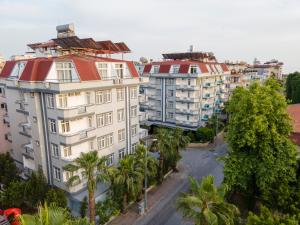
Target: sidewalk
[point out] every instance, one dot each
(155, 196)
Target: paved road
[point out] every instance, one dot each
(197, 163)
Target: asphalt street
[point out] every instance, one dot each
(196, 163)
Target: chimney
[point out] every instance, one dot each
(66, 30)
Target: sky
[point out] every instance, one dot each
(231, 29)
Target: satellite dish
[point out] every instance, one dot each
(143, 60)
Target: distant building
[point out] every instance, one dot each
(2, 62)
(184, 89)
(294, 112)
(72, 97)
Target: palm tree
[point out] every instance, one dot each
(143, 160)
(180, 141)
(163, 144)
(127, 177)
(94, 169)
(51, 215)
(205, 203)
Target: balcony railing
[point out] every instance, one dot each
(187, 111)
(143, 116)
(78, 136)
(75, 111)
(187, 87)
(206, 107)
(186, 99)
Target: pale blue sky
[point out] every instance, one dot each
(232, 29)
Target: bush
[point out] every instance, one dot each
(205, 134)
(192, 136)
(57, 197)
(106, 209)
(12, 195)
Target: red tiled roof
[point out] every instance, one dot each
(224, 67)
(37, 69)
(7, 69)
(147, 68)
(164, 69)
(294, 112)
(184, 66)
(132, 69)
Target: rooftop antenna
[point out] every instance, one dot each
(191, 48)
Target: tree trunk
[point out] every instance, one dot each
(92, 206)
(161, 172)
(124, 204)
(174, 166)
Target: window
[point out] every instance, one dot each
(170, 104)
(102, 69)
(103, 97)
(105, 141)
(52, 125)
(91, 143)
(193, 69)
(133, 92)
(121, 115)
(90, 119)
(158, 93)
(88, 98)
(133, 111)
(120, 94)
(187, 117)
(56, 173)
(64, 71)
(119, 70)
(121, 153)
(155, 69)
(170, 93)
(175, 69)
(170, 81)
(54, 150)
(104, 119)
(121, 135)
(67, 151)
(158, 113)
(170, 115)
(50, 101)
(110, 160)
(68, 175)
(133, 147)
(189, 81)
(133, 130)
(63, 100)
(65, 126)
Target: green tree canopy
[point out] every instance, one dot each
(293, 87)
(8, 170)
(266, 217)
(205, 203)
(261, 159)
(56, 196)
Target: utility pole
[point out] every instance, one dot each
(145, 179)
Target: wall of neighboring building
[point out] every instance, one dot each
(5, 137)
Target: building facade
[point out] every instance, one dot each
(67, 103)
(184, 89)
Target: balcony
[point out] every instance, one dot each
(187, 87)
(77, 111)
(143, 98)
(206, 107)
(187, 111)
(28, 151)
(143, 133)
(217, 110)
(77, 186)
(219, 82)
(187, 123)
(207, 95)
(68, 139)
(185, 99)
(143, 116)
(205, 118)
(208, 85)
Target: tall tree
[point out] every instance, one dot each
(94, 170)
(164, 146)
(180, 141)
(127, 179)
(56, 196)
(261, 159)
(205, 203)
(293, 87)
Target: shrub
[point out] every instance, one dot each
(106, 209)
(205, 134)
(57, 197)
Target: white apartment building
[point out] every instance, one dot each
(71, 102)
(184, 89)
